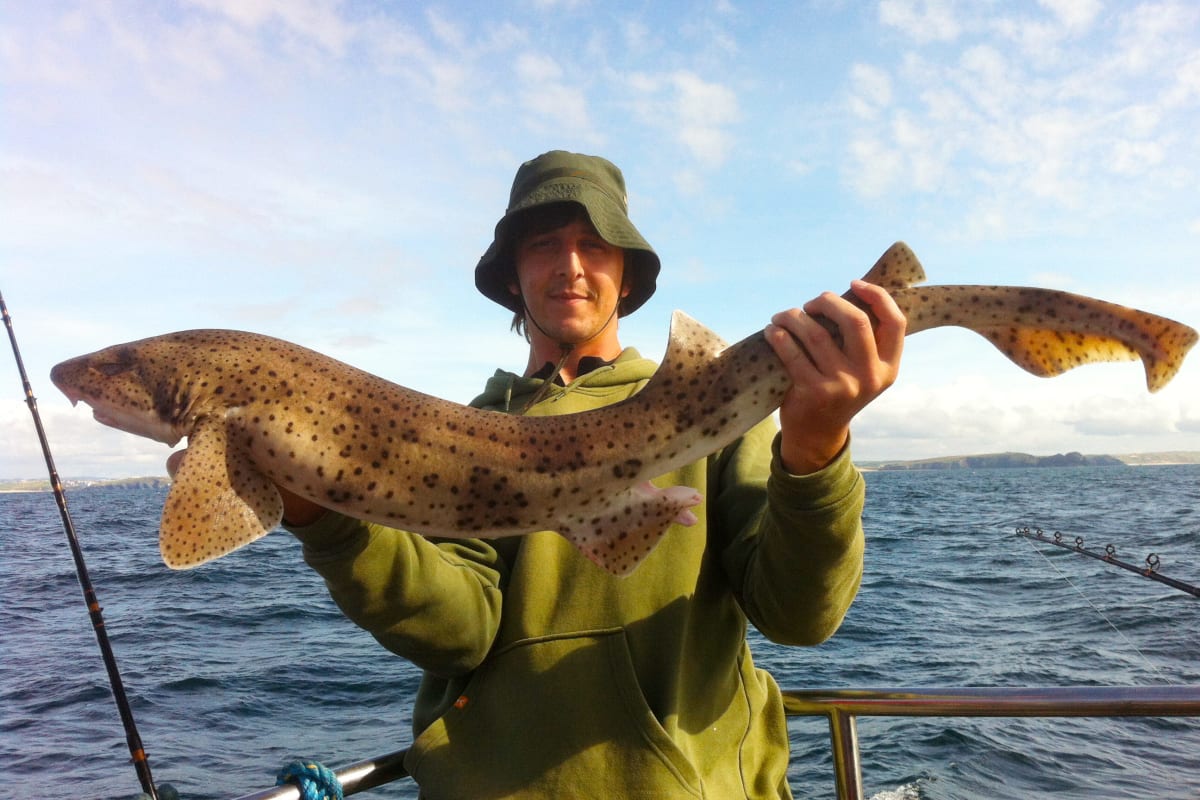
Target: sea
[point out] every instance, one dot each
(240, 666)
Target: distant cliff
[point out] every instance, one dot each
(43, 484)
(1006, 461)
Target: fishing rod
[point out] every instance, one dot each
(140, 763)
(1109, 556)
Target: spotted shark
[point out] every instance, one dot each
(259, 413)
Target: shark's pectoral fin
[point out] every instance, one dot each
(219, 501)
(619, 535)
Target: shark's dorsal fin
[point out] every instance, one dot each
(691, 341)
(897, 268)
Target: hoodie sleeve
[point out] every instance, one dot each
(794, 543)
(434, 602)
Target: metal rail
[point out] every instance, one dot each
(842, 707)
(355, 778)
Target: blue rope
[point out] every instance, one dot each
(316, 782)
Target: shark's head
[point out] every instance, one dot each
(122, 391)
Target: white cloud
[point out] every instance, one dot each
(81, 447)
(636, 35)
(1110, 416)
(959, 409)
(1150, 34)
(1186, 85)
(798, 166)
(315, 21)
(1055, 139)
(1048, 137)
(1041, 39)
(698, 113)
(537, 68)
(1135, 158)
(876, 169)
(989, 219)
(427, 71)
(870, 91)
(688, 182)
(703, 111)
(927, 165)
(51, 60)
(446, 30)
(1076, 15)
(556, 105)
(922, 20)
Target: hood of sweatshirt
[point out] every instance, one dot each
(507, 391)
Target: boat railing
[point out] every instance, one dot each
(842, 707)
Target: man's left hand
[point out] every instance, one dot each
(831, 384)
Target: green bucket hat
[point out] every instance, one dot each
(589, 181)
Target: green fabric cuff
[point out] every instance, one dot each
(331, 536)
(827, 486)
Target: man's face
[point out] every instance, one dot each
(571, 280)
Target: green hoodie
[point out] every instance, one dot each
(546, 677)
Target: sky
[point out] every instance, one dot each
(329, 173)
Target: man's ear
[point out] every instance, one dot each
(627, 273)
(513, 289)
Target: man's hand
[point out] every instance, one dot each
(830, 385)
(297, 511)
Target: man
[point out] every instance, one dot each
(544, 675)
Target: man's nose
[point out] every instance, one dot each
(570, 262)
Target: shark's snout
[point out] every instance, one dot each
(61, 377)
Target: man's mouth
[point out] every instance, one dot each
(568, 295)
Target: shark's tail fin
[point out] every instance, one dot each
(1043, 331)
(1175, 340)
(1047, 332)
(1160, 343)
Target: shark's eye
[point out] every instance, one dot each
(111, 368)
(118, 360)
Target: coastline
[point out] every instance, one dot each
(977, 461)
(1027, 461)
(34, 485)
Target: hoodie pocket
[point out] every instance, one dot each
(559, 716)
